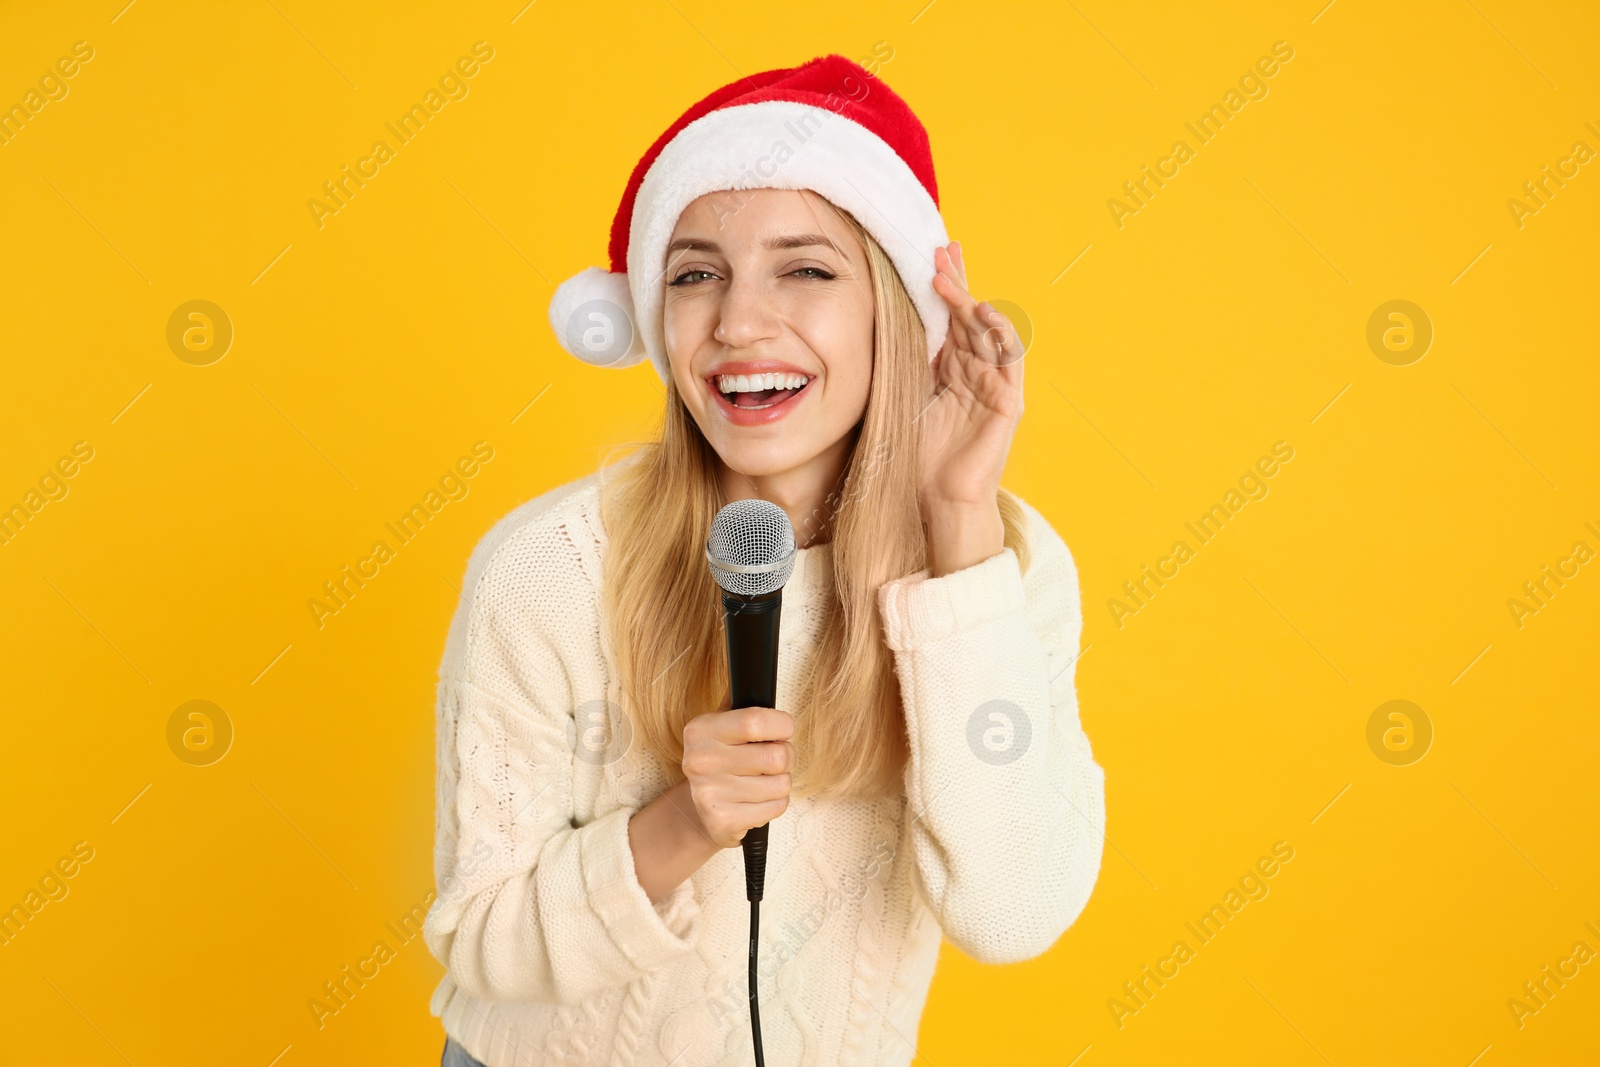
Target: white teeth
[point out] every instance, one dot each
(751, 383)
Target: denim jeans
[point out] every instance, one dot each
(456, 1056)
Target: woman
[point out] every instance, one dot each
(779, 256)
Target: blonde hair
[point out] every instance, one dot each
(663, 609)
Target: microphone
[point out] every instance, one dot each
(751, 553)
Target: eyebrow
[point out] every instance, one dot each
(776, 243)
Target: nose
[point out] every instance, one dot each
(745, 315)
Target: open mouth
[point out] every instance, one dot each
(755, 392)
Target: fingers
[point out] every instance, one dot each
(972, 327)
(975, 327)
(760, 759)
(765, 813)
(727, 821)
(740, 765)
(744, 725)
(949, 259)
(950, 279)
(962, 304)
(754, 789)
(1000, 341)
(743, 741)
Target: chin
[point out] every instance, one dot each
(763, 459)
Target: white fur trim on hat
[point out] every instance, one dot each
(592, 315)
(775, 144)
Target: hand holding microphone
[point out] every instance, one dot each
(739, 764)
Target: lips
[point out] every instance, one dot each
(769, 391)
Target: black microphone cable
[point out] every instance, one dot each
(755, 873)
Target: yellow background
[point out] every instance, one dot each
(1229, 313)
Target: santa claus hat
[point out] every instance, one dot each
(826, 125)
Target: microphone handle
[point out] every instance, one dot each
(752, 625)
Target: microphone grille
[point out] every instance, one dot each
(751, 547)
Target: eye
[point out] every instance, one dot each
(679, 280)
(816, 272)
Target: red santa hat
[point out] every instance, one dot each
(826, 125)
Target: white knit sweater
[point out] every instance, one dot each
(554, 953)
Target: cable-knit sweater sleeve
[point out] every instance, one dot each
(531, 905)
(1006, 801)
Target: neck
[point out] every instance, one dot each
(802, 492)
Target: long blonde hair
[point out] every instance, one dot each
(663, 608)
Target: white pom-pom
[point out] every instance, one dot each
(592, 316)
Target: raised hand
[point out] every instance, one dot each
(969, 422)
